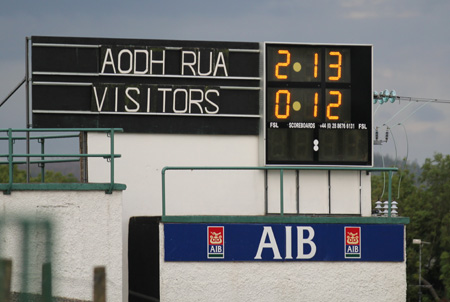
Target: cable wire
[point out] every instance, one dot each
(398, 112)
(420, 107)
(395, 146)
(384, 176)
(404, 162)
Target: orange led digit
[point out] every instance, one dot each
(277, 104)
(334, 105)
(338, 66)
(316, 64)
(282, 64)
(316, 102)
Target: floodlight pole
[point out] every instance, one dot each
(420, 243)
(420, 272)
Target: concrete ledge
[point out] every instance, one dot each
(285, 219)
(62, 187)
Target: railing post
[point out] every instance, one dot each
(5, 279)
(389, 193)
(111, 161)
(99, 284)
(10, 161)
(47, 282)
(163, 183)
(281, 169)
(25, 259)
(281, 193)
(42, 165)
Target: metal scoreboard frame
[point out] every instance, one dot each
(317, 104)
(146, 85)
(310, 104)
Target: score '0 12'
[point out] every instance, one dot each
(287, 107)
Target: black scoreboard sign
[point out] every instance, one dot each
(316, 98)
(318, 108)
(153, 86)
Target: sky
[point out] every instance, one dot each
(410, 38)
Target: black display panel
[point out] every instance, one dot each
(318, 104)
(150, 86)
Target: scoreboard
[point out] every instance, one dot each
(318, 108)
(315, 99)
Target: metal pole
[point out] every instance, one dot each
(10, 160)
(163, 185)
(389, 193)
(12, 92)
(420, 272)
(42, 141)
(27, 89)
(111, 138)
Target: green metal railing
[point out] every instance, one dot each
(281, 170)
(43, 157)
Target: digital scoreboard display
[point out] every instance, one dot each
(318, 104)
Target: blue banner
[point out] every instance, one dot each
(283, 242)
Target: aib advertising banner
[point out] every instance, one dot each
(283, 242)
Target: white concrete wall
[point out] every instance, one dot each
(281, 281)
(87, 232)
(214, 192)
(218, 192)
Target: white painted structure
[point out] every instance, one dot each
(282, 281)
(91, 228)
(218, 192)
(224, 193)
(87, 232)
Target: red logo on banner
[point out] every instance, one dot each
(353, 242)
(216, 246)
(215, 235)
(353, 235)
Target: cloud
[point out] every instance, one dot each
(368, 14)
(381, 9)
(410, 39)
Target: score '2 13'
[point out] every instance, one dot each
(335, 57)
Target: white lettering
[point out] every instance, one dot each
(100, 106)
(136, 52)
(215, 249)
(352, 249)
(185, 100)
(148, 99)
(288, 242)
(301, 241)
(220, 63)
(272, 244)
(133, 100)
(164, 90)
(210, 65)
(178, 100)
(162, 61)
(130, 61)
(188, 64)
(108, 60)
(209, 101)
(195, 101)
(116, 98)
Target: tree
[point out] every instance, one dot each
(426, 201)
(20, 176)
